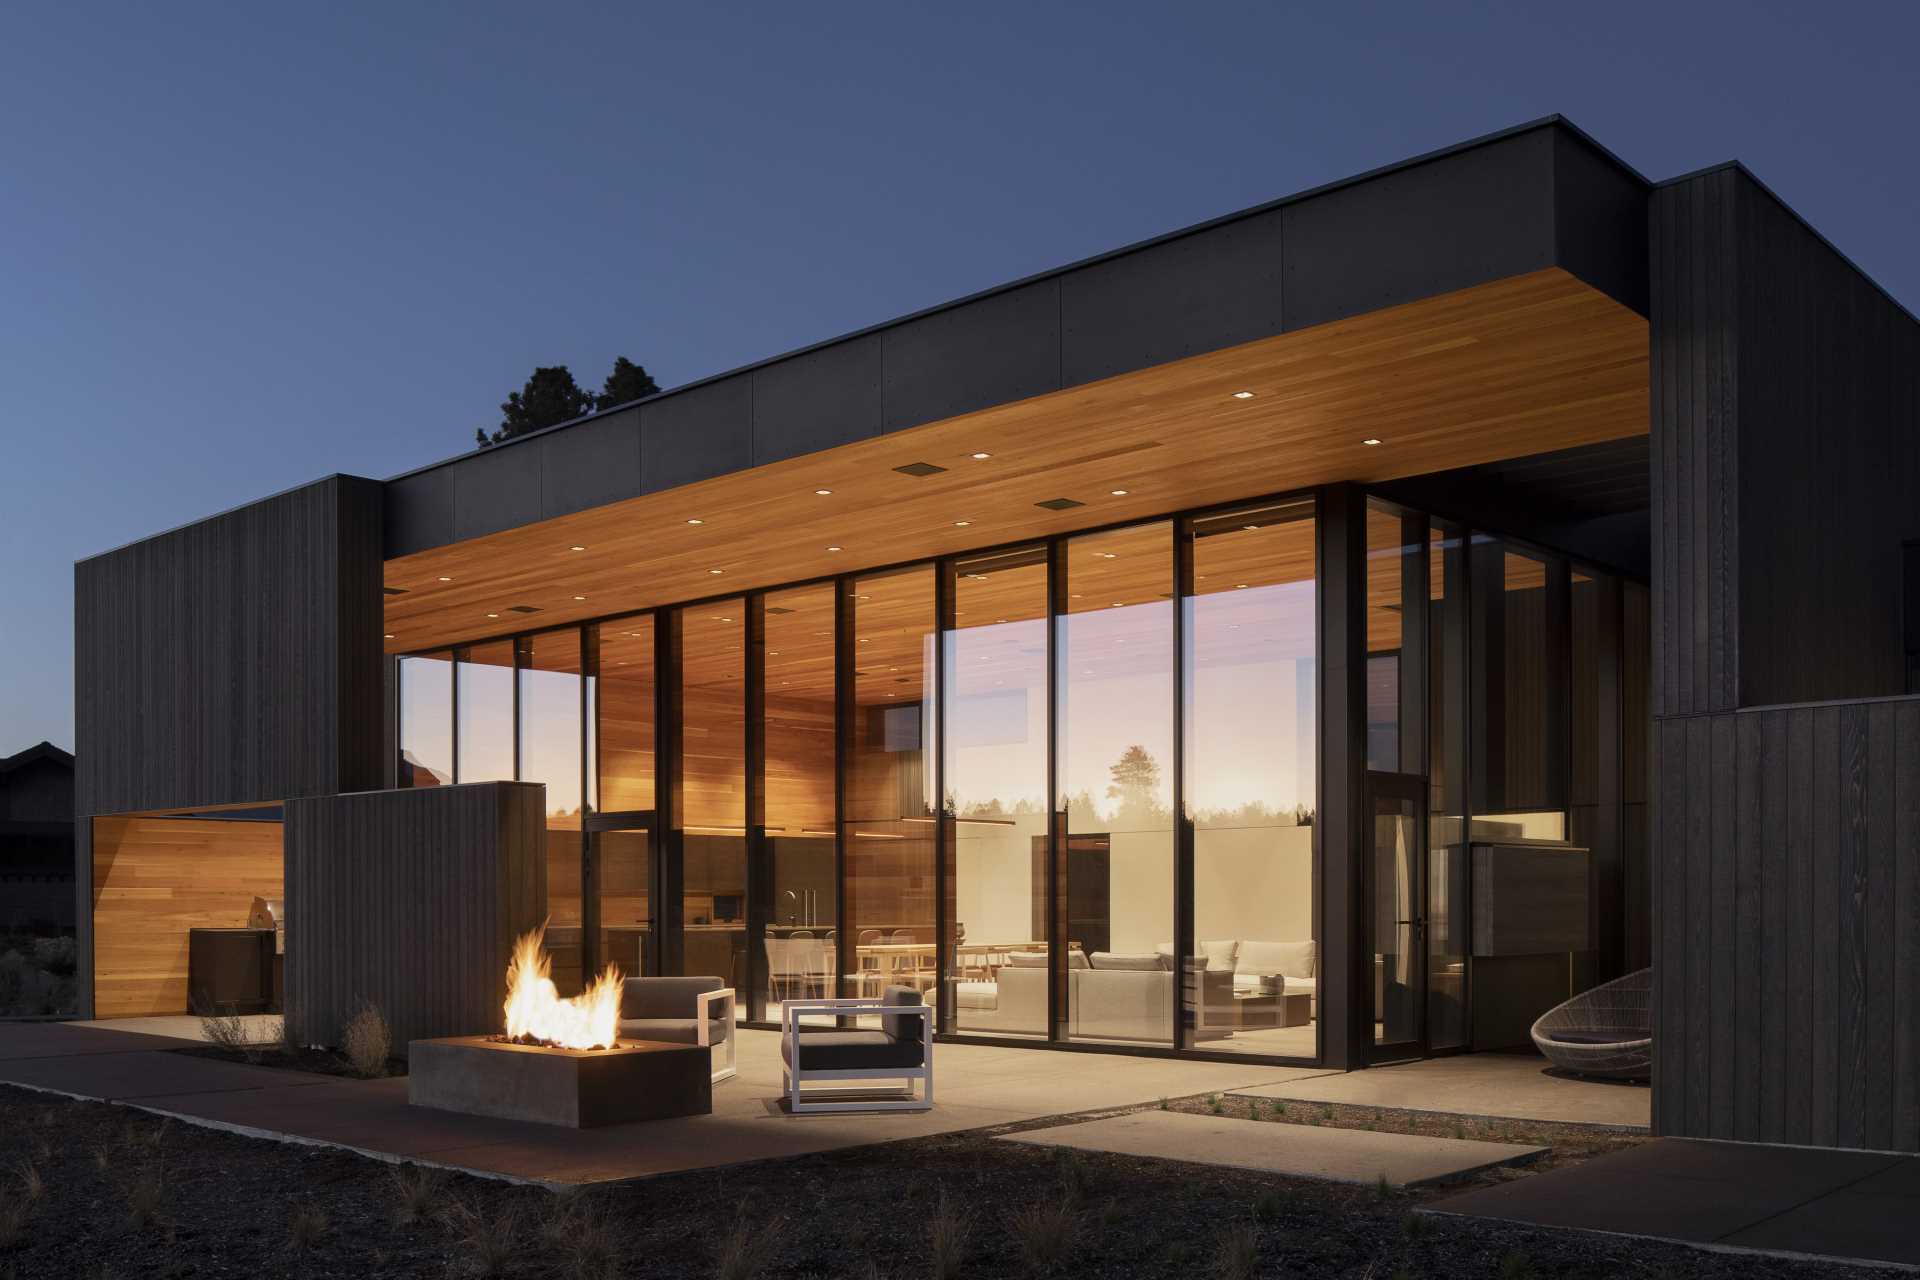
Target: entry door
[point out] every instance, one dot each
(622, 913)
(1396, 913)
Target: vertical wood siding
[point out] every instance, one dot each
(410, 900)
(1788, 913)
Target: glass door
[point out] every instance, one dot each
(1397, 913)
(622, 887)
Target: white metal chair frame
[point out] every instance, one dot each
(703, 1008)
(870, 1098)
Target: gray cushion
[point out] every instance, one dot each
(665, 997)
(671, 1030)
(851, 1051)
(903, 1027)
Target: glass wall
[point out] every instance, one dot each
(1519, 670)
(622, 689)
(1251, 786)
(485, 706)
(801, 936)
(713, 791)
(551, 752)
(1448, 860)
(890, 829)
(1393, 564)
(1114, 677)
(996, 792)
(426, 721)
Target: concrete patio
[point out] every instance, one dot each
(1509, 1086)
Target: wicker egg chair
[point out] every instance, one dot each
(1603, 1032)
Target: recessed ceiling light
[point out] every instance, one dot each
(696, 522)
(633, 633)
(1371, 440)
(444, 578)
(1243, 395)
(981, 457)
(824, 492)
(1076, 595)
(1239, 586)
(833, 548)
(716, 572)
(576, 548)
(1118, 493)
(388, 636)
(1249, 527)
(1109, 555)
(493, 615)
(579, 597)
(864, 640)
(1119, 603)
(961, 524)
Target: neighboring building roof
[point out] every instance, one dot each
(34, 754)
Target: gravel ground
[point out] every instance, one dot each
(123, 1193)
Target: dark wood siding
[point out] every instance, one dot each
(410, 900)
(1784, 419)
(236, 660)
(1788, 908)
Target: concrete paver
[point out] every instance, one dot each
(1803, 1200)
(67, 1039)
(1293, 1150)
(1510, 1086)
(135, 1075)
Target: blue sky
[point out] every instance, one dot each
(240, 249)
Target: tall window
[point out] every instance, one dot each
(1393, 567)
(485, 673)
(1520, 694)
(622, 694)
(798, 883)
(890, 830)
(1251, 680)
(713, 790)
(551, 753)
(426, 721)
(996, 783)
(1114, 681)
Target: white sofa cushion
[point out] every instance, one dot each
(1125, 960)
(976, 995)
(1218, 954)
(1027, 959)
(1294, 959)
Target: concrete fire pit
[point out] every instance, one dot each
(576, 1088)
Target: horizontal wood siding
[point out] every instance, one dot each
(1787, 909)
(410, 900)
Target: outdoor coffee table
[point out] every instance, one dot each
(1257, 1009)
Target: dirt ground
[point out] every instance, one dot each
(91, 1190)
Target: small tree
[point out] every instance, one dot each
(551, 396)
(627, 382)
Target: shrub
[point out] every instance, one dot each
(367, 1042)
(58, 956)
(415, 1193)
(1045, 1232)
(744, 1252)
(307, 1225)
(14, 1212)
(489, 1240)
(1238, 1255)
(949, 1232)
(145, 1194)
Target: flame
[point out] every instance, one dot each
(537, 1015)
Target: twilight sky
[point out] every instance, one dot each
(241, 249)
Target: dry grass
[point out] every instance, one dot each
(14, 1214)
(744, 1252)
(145, 1196)
(1238, 1254)
(583, 1238)
(416, 1193)
(949, 1232)
(1045, 1232)
(32, 1185)
(488, 1240)
(307, 1225)
(367, 1042)
(228, 1031)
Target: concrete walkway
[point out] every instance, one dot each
(1510, 1086)
(1851, 1205)
(1292, 1150)
(978, 1086)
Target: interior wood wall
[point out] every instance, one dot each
(410, 900)
(154, 879)
(1787, 905)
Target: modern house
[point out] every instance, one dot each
(1333, 633)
